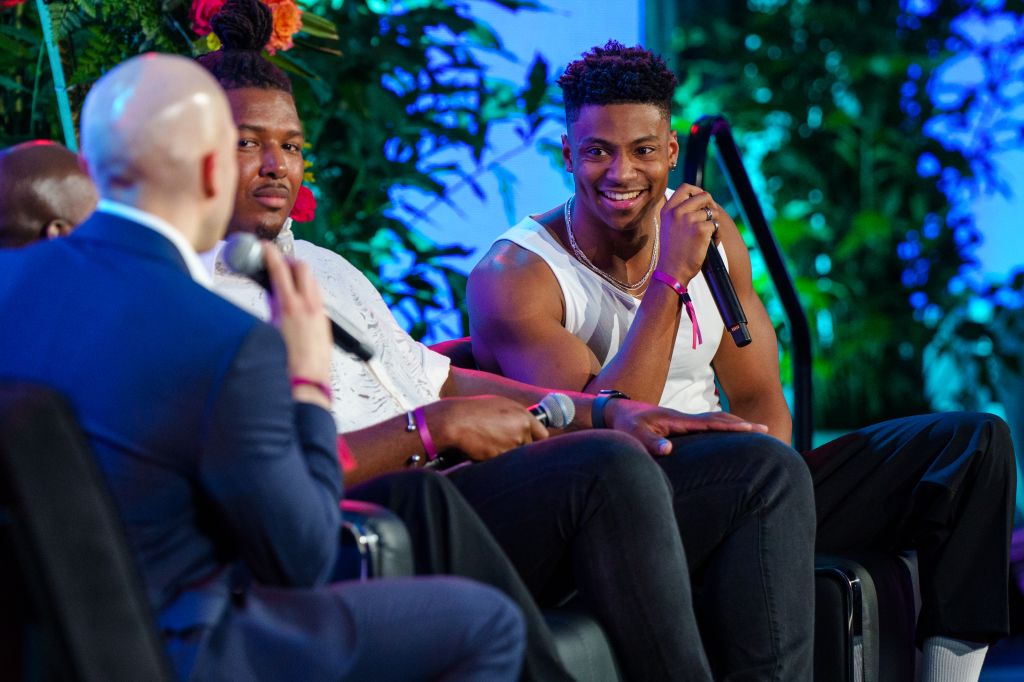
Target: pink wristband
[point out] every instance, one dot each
(303, 381)
(421, 427)
(687, 302)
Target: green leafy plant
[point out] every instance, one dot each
(830, 103)
(389, 92)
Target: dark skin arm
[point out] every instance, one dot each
(750, 375)
(484, 415)
(482, 426)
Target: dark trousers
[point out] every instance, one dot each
(942, 484)
(399, 630)
(744, 504)
(449, 538)
(591, 511)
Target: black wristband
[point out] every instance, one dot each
(597, 407)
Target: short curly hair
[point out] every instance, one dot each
(616, 74)
(244, 28)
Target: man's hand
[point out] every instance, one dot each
(653, 425)
(686, 231)
(482, 426)
(298, 311)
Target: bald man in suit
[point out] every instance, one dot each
(212, 428)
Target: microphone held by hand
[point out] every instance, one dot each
(243, 254)
(722, 290)
(555, 411)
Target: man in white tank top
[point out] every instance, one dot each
(605, 292)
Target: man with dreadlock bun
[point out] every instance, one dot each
(609, 294)
(587, 510)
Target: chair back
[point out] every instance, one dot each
(85, 615)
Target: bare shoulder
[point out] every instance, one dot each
(510, 275)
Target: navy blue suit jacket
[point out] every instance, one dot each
(185, 401)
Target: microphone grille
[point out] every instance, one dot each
(560, 410)
(243, 254)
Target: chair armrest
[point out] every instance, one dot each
(374, 543)
(459, 351)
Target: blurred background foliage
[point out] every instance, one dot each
(865, 158)
(835, 106)
(363, 138)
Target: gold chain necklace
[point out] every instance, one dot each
(582, 257)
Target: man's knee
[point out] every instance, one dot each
(991, 434)
(492, 621)
(783, 479)
(621, 462)
(1000, 452)
(777, 464)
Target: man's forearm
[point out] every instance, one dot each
(640, 368)
(381, 448)
(468, 382)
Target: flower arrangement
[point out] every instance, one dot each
(287, 20)
(343, 53)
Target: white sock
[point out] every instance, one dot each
(944, 659)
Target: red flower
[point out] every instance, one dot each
(304, 209)
(8, 4)
(201, 13)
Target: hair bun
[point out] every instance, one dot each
(243, 25)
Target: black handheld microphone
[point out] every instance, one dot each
(555, 411)
(722, 290)
(243, 254)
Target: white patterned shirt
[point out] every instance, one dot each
(403, 373)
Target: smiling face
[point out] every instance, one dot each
(270, 166)
(620, 156)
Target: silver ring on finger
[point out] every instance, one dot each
(711, 216)
(714, 232)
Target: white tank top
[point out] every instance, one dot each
(600, 314)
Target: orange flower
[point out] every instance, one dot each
(287, 22)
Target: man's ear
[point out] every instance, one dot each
(209, 175)
(673, 148)
(566, 153)
(58, 227)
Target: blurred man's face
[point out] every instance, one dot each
(270, 166)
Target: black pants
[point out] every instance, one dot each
(585, 510)
(448, 538)
(942, 484)
(744, 503)
(591, 511)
